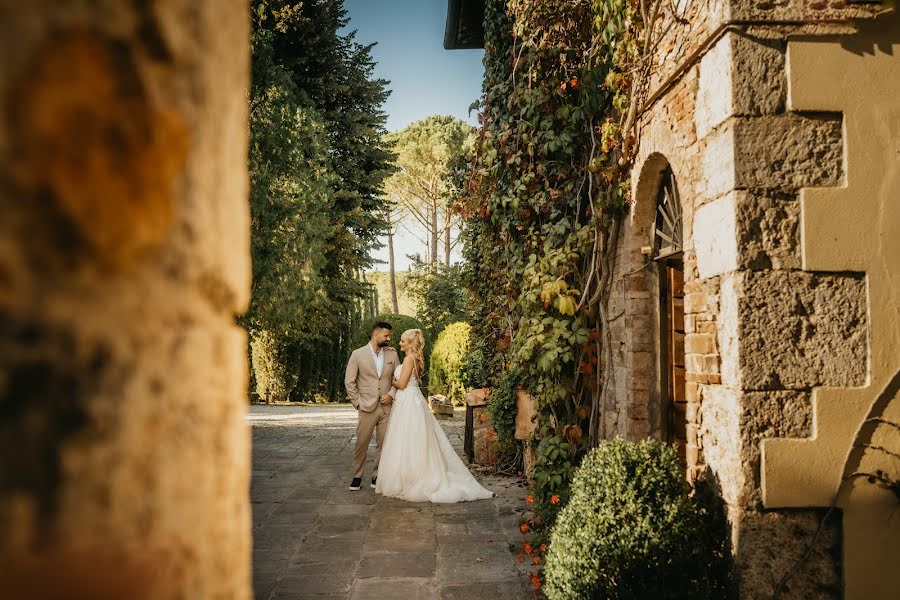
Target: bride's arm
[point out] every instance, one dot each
(405, 373)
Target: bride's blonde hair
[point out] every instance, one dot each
(416, 342)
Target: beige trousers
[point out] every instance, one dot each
(367, 423)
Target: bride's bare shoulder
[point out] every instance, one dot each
(408, 359)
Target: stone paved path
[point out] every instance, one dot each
(314, 538)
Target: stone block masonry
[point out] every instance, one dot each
(780, 300)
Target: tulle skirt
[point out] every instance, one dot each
(418, 464)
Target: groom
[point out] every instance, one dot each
(368, 382)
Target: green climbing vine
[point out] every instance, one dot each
(542, 202)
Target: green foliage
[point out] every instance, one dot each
(400, 323)
(501, 405)
(477, 365)
(426, 152)
(317, 163)
(381, 281)
(549, 177)
(446, 372)
(631, 531)
(440, 296)
(275, 366)
(290, 177)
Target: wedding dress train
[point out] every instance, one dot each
(418, 464)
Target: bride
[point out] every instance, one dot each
(418, 463)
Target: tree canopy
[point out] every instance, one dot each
(426, 152)
(318, 160)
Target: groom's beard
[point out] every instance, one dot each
(384, 344)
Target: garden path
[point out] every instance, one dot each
(314, 538)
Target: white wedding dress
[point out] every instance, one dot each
(418, 464)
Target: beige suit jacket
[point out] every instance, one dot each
(364, 386)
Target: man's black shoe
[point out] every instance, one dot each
(356, 483)
(373, 481)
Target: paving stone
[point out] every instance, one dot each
(485, 562)
(336, 510)
(394, 589)
(397, 565)
(451, 528)
(302, 586)
(399, 542)
(322, 565)
(402, 521)
(262, 588)
(279, 537)
(307, 558)
(314, 538)
(294, 508)
(336, 544)
(509, 590)
(341, 524)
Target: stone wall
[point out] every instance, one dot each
(124, 258)
(763, 330)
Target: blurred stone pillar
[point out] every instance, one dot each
(124, 258)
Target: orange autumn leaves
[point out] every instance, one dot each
(572, 433)
(535, 554)
(490, 433)
(571, 83)
(554, 499)
(535, 560)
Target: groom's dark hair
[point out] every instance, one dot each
(381, 325)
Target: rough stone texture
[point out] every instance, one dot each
(721, 415)
(699, 19)
(484, 436)
(801, 10)
(852, 227)
(715, 90)
(784, 152)
(760, 333)
(740, 76)
(760, 83)
(313, 538)
(784, 414)
(768, 230)
(788, 152)
(124, 244)
(770, 543)
(441, 407)
(751, 231)
(799, 330)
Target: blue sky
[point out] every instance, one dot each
(424, 78)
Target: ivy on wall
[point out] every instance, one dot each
(542, 202)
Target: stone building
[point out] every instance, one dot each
(756, 309)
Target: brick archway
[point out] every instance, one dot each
(652, 330)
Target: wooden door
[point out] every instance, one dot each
(672, 353)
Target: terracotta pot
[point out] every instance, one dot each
(524, 411)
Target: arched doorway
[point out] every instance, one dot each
(667, 252)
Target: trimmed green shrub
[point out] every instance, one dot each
(630, 530)
(446, 372)
(400, 323)
(275, 368)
